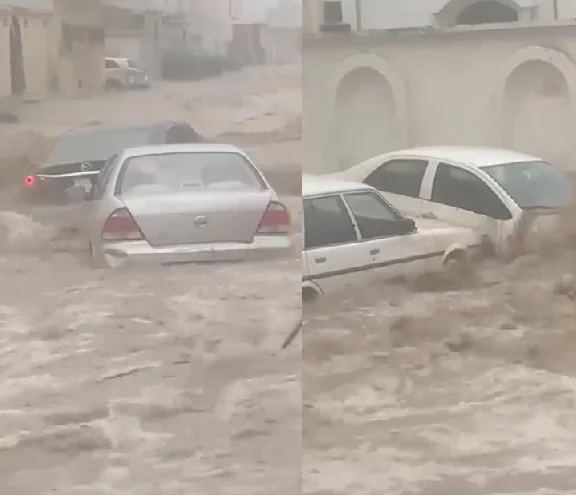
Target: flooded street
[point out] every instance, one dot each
(152, 380)
(467, 390)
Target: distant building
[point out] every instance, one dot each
(394, 14)
(49, 46)
(282, 33)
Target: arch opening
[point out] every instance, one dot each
(536, 110)
(365, 116)
(487, 12)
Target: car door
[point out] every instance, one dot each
(395, 247)
(335, 258)
(460, 197)
(400, 180)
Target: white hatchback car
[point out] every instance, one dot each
(505, 196)
(352, 235)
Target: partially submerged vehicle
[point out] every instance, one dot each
(507, 197)
(182, 203)
(353, 235)
(80, 154)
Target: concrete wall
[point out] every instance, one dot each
(38, 53)
(5, 83)
(281, 45)
(371, 93)
(395, 14)
(80, 63)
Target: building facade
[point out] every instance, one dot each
(392, 14)
(51, 46)
(507, 85)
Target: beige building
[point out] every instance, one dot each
(510, 85)
(50, 47)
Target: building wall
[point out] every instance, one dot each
(510, 86)
(281, 45)
(5, 84)
(80, 67)
(38, 53)
(394, 14)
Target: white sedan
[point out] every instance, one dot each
(353, 235)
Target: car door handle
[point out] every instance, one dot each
(320, 260)
(429, 215)
(375, 251)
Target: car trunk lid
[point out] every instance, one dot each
(199, 217)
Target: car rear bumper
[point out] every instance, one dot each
(135, 252)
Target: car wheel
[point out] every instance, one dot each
(458, 265)
(97, 260)
(113, 84)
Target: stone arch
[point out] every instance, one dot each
(536, 103)
(487, 12)
(367, 110)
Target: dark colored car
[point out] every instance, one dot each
(80, 154)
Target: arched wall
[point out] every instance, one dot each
(390, 79)
(520, 115)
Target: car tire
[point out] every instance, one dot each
(114, 85)
(97, 260)
(458, 265)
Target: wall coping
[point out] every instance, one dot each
(378, 37)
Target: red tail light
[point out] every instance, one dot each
(276, 220)
(29, 181)
(121, 226)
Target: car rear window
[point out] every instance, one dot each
(98, 145)
(190, 171)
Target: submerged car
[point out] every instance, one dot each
(79, 155)
(353, 235)
(506, 196)
(182, 203)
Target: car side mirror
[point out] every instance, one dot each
(406, 226)
(76, 194)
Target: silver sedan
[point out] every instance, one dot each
(182, 203)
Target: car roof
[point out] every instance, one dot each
(473, 156)
(181, 148)
(102, 128)
(318, 185)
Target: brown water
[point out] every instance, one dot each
(470, 389)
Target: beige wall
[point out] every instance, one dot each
(5, 83)
(37, 53)
(81, 69)
(512, 87)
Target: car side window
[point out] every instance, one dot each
(110, 64)
(182, 134)
(97, 191)
(374, 217)
(399, 176)
(327, 223)
(460, 188)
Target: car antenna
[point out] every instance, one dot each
(293, 333)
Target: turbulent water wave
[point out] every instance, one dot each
(467, 391)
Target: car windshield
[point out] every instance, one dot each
(189, 171)
(132, 64)
(99, 145)
(533, 184)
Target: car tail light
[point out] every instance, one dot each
(29, 181)
(121, 226)
(276, 220)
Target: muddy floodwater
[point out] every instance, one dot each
(161, 380)
(462, 388)
(164, 380)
